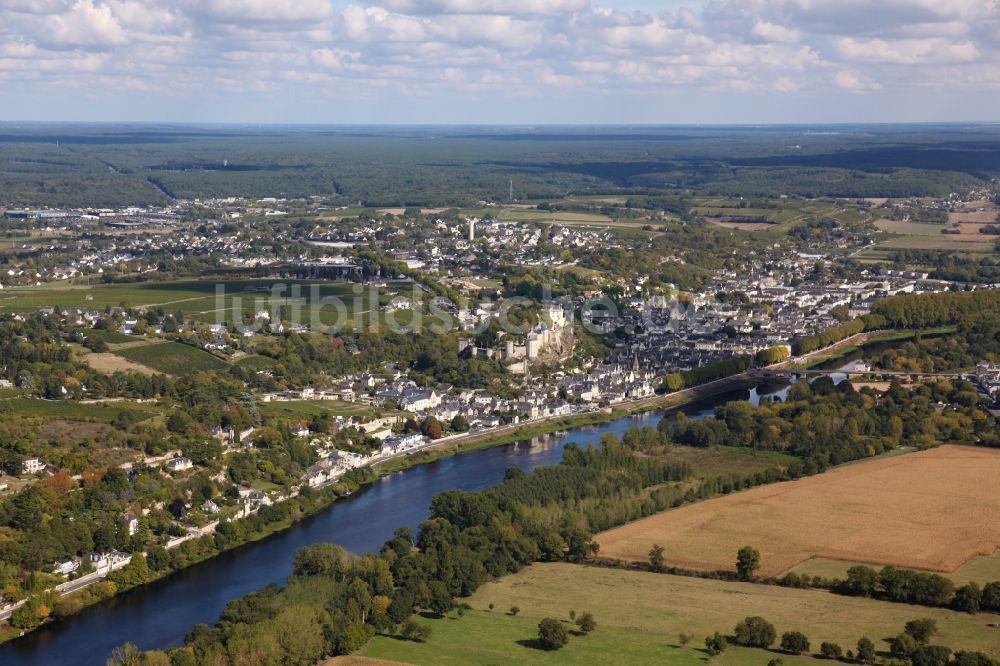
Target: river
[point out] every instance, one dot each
(158, 615)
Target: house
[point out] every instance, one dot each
(31, 465)
(179, 464)
(400, 443)
(208, 506)
(131, 522)
(65, 566)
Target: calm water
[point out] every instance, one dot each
(158, 615)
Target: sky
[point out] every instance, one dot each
(500, 61)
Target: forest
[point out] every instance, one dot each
(67, 165)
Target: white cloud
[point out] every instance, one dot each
(906, 51)
(86, 24)
(457, 49)
(785, 84)
(773, 32)
(512, 7)
(281, 11)
(851, 81)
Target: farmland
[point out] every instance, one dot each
(930, 510)
(900, 234)
(172, 358)
(195, 298)
(640, 616)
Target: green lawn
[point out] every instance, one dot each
(641, 614)
(484, 637)
(172, 358)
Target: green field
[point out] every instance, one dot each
(484, 637)
(195, 299)
(559, 216)
(977, 570)
(301, 408)
(112, 337)
(172, 358)
(726, 460)
(641, 614)
(59, 409)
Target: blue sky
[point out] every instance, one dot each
(500, 61)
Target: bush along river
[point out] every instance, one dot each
(157, 615)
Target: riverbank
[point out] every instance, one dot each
(206, 547)
(554, 424)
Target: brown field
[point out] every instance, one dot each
(987, 216)
(110, 363)
(745, 226)
(932, 510)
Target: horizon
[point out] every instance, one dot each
(507, 125)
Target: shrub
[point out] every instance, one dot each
(794, 642)
(963, 658)
(931, 655)
(586, 622)
(903, 646)
(866, 651)
(921, 629)
(716, 644)
(552, 635)
(831, 650)
(755, 632)
(415, 631)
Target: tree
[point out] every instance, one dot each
(755, 631)
(432, 428)
(125, 655)
(831, 650)
(656, 562)
(321, 559)
(716, 644)
(861, 581)
(586, 622)
(514, 610)
(552, 635)
(747, 562)
(967, 599)
(991, 597)
(866, 650)
(673, 382)
(29, 614)
(441, 600)
(794, 642)
(921, 629)
(931, 655)
(459, 423)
